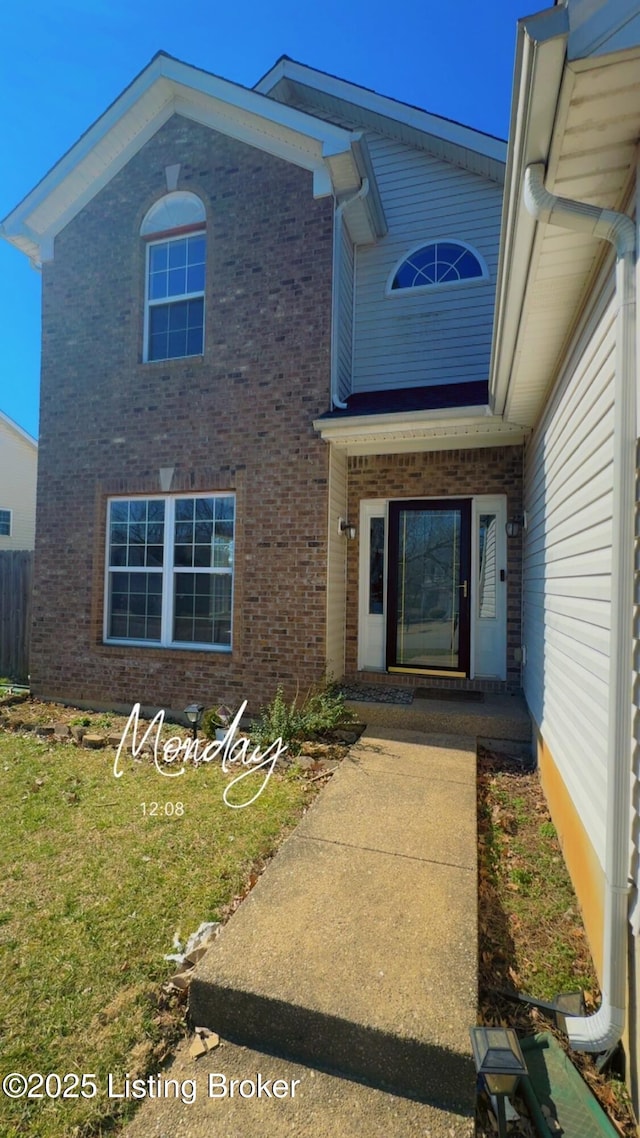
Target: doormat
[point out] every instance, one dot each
(449, 694)
(377, 693)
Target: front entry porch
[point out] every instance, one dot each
(433, 580)
(433, 587)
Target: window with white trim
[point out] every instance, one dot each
(438, 263)
(5, 523)
(170, 570)
(174, 277)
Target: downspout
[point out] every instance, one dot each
(336, 402)
(602, 1030)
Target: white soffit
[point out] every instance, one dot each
(165, 87)
(294, 83)
(592, 159)
(419, 431)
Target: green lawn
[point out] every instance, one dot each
(93, 890)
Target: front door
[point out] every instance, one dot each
(428, 588)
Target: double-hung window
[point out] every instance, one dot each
(5, 523)
(176, 253)
(170, 570)
(175, 297)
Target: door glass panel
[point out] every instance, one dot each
(487, 567)
(376, 565)
(428, 589)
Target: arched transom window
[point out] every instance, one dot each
(438, 263)
(175, 277)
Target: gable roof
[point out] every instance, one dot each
(296, 84)
(337, 157)
(5, 421)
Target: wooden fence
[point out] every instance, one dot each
(16, 575)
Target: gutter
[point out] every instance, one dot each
(540, 59)
(336, 402)
(602, 1030)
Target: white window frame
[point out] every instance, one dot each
(417, 290)
(4, 510)
(167, 571)
(168, 301)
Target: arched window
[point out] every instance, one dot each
(438, 263)
(174, 277)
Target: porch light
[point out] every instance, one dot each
(513, 526)
(345, 528)
(194, 715)
(499, 1060)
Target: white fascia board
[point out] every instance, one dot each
(244, 127)
(13, 426)
(446, 129)
(442, 418)
(244, 99)
(73, 192)
(540, 60)
(166, 86)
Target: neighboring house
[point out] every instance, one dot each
(267, 327)
(18, 471)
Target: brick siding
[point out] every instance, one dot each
(439, 474)
(237, 419)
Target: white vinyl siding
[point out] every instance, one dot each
(345, 315)
(337, 564)
(567, 567)
(439, 336)
(18, 469)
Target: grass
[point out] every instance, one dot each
(531, 931)
(531, 935)
(94, 889)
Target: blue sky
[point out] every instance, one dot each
(62, 64)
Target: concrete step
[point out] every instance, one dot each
(502, 717)
(357, 950)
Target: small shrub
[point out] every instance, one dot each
(80, 721)
(213, 718)
(210, 721)
(296, 722)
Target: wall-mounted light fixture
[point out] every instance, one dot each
(513, 526)
(194, 715)
(345, 529)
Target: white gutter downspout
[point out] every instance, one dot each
(336, 402)
(601, 1031)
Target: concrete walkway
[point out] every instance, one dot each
(354, 955)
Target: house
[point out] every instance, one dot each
(18, 469)
(238, 287)
(346, 387)
(564, 366)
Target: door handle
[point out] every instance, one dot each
(464, 588)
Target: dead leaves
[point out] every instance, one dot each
(204, 1041)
